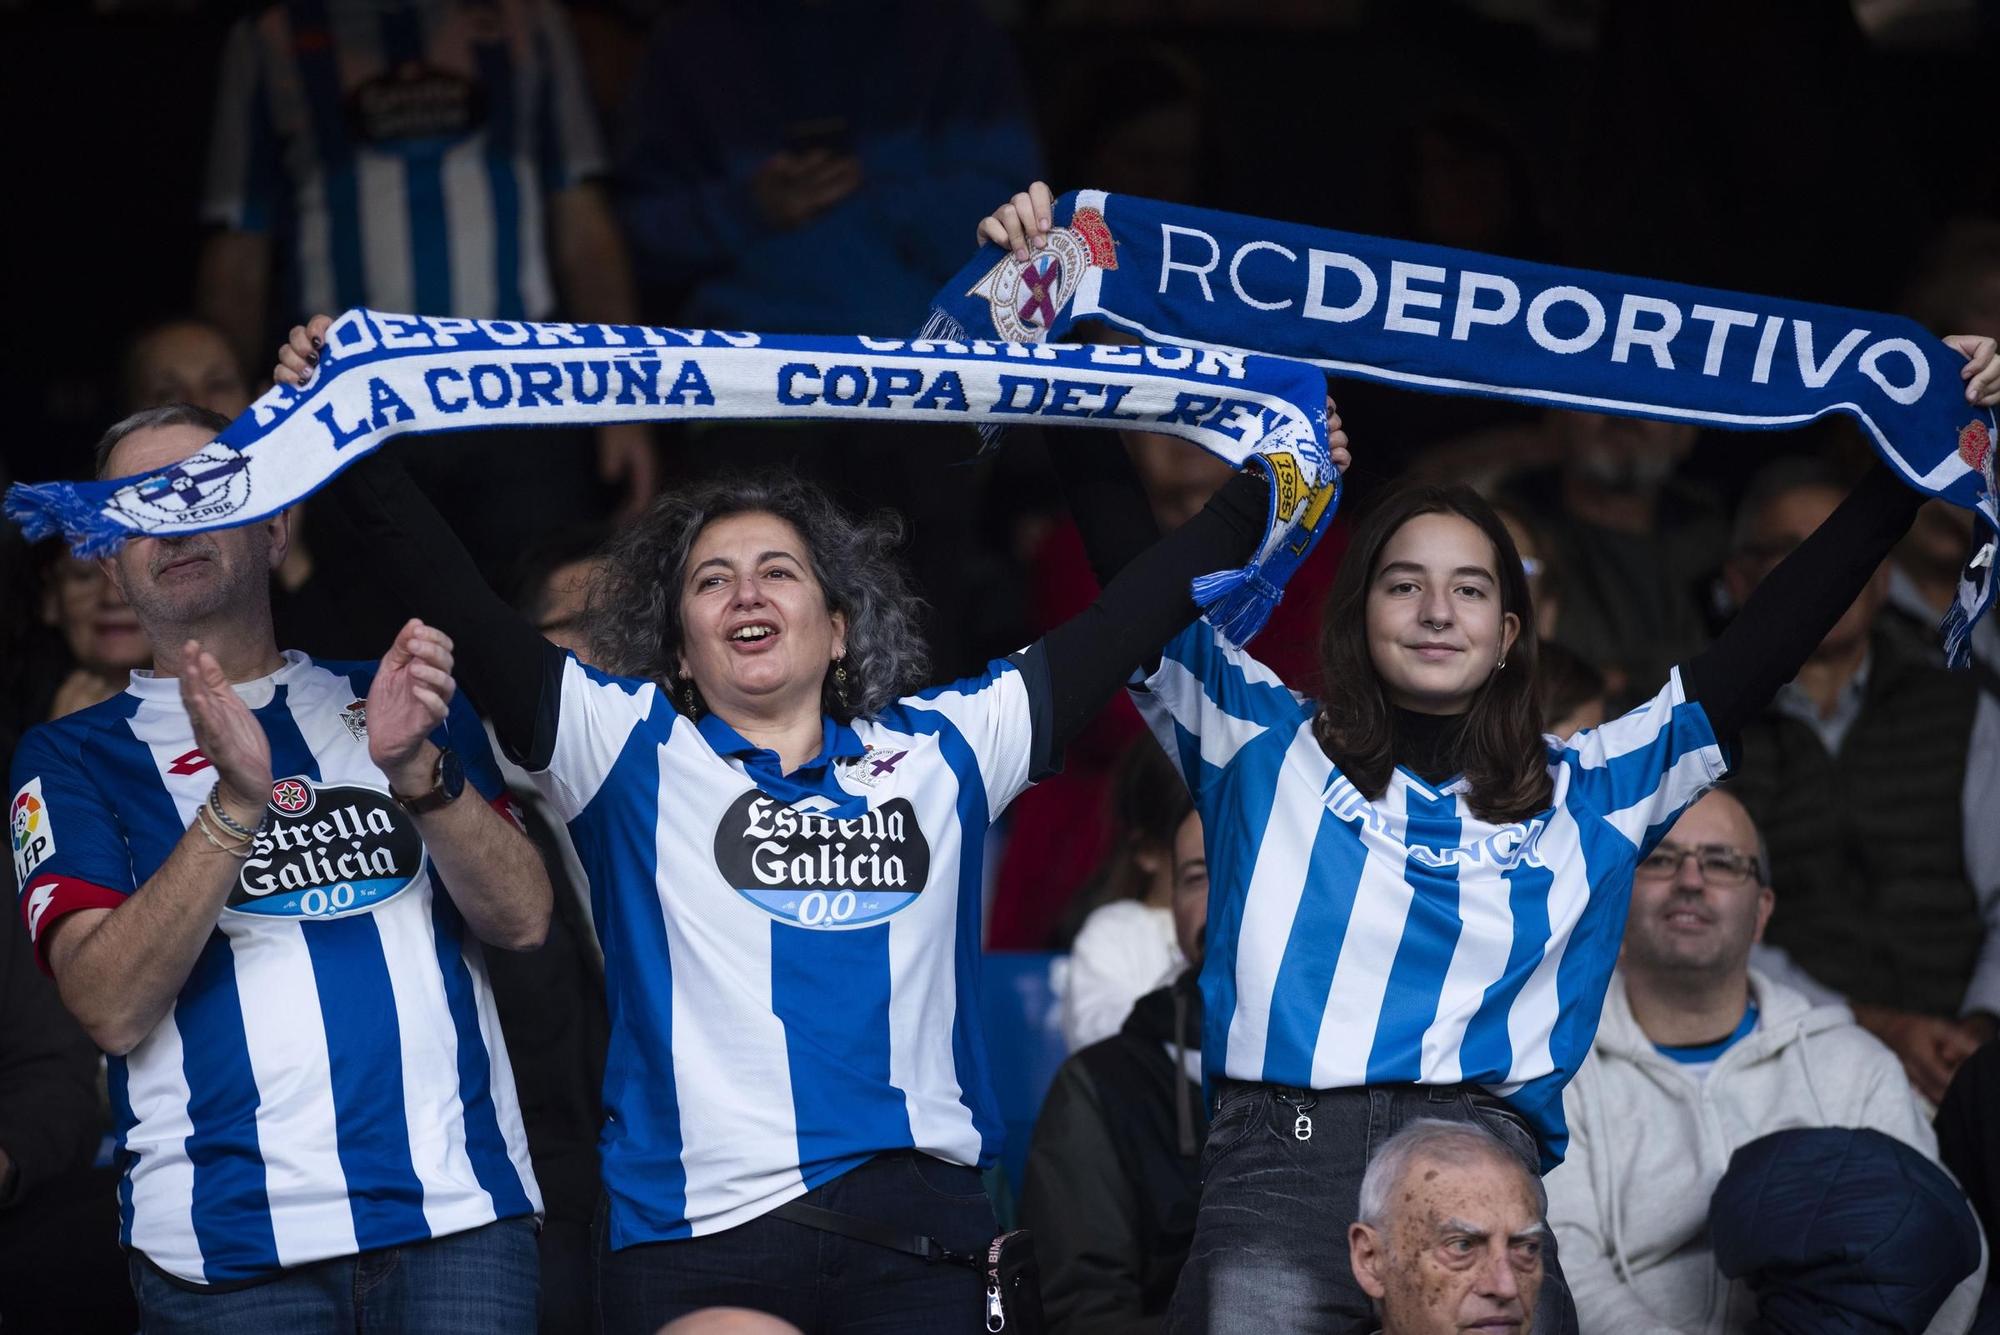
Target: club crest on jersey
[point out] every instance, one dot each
(871, 766)
(814, 869)
(209, 485)
(329, 850)
(355, 716)
(1026, 297)
(29, 830)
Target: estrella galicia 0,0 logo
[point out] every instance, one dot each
(328, 850)
(815, 869)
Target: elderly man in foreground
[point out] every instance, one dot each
(1451, 1234)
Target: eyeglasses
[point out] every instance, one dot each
(1720, 864)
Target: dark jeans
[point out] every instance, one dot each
(822, 1283)
(472, 1283)
(1270, 1241)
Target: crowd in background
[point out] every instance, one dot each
(799, 167)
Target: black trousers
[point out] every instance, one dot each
(820, 1282)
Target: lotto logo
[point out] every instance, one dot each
(30, 831)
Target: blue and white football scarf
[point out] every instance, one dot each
(381, 376)
(1457, 322)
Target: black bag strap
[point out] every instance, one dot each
(874, 1232)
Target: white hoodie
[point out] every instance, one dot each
(1648, 1141)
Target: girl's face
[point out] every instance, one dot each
(1436, 630)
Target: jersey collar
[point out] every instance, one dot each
(256, 693)
(838, 741)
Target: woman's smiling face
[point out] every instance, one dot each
(757, 636)
(1436, 630)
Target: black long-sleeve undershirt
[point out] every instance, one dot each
(514, 675)
(1795, 606)
(1733, 679)
(511, 673)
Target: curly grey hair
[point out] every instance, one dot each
(634, 619)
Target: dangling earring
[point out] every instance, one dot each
(840, 682)
(688, 703)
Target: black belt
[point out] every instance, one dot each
(872, 1231)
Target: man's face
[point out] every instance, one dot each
(1190, 890)
(565, 600)
(1785, 521)
(1704, 912)
(1624, 454)
(188, 363)
(1461, 1251)
(177, 583)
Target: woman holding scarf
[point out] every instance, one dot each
(1416, 899)
(784, 838)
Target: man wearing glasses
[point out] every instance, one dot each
(1872, 777)
(1697, 1055)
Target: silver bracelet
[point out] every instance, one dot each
(225, 820)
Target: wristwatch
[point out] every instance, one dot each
(446, 785)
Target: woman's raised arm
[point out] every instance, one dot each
(410, 552)
(1806, 593)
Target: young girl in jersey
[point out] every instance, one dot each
(1416, 900)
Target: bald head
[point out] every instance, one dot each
(1699, 902)
(729, 1321)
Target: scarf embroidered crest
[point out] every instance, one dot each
(382, 376)
(1456, 322)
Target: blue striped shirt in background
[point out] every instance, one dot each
(401, 153)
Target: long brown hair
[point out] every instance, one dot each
(1500, 747)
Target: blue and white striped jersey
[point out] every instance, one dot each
(792, 959)
(1405, 940)
(400, 152)
(331, 1078)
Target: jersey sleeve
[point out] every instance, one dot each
(572, 151)
(466, 735)
(245, 173)
(999, 715)
(463, 733)
(1641, 770)
(1208, 699)
(69, 851)
(596, 714)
